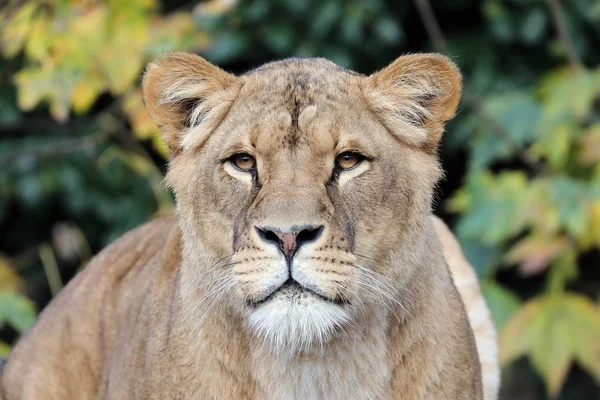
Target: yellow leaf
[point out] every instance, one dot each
(59, 107)
(9, 280)
(38, 42)
(555, 144)
(520, 331)
(133, 106)
(550, 352)
(214, 7)
(15, 32)
(142, 124)
(554, 331)
(160, 146)
(128, 34)
(4, 349)
(583, 317)
(590, 146)
(85, 92)
(33, 85)
(594, 222)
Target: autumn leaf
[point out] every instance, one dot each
(534, 253)
(554, 331)
(14, 33)
(9, 280)
(590, 145)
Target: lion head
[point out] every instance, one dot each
(302, 188)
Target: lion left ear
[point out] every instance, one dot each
(415, 96)
(187, 97)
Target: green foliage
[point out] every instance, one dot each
(543, 218)
(16, 309)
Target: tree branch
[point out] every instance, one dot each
(563, 34)
(473, 101)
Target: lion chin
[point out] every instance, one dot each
(294, 319)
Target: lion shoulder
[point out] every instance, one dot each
(72, 331)
(466, 282)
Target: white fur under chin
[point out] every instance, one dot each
(289, 324)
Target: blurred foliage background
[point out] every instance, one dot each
(81, 162)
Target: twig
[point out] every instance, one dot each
(563, 34)
(51, 269)
(473, 101)
(432, 26)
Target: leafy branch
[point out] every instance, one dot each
(472, 99)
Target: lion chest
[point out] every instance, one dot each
(357, 371)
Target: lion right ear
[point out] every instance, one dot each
(187, 97)
(415, 96)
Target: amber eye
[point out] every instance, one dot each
(348, 160)
(243, 162)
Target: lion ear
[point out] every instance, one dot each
(187, 97)
(415, 96)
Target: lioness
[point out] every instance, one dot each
(303, 260)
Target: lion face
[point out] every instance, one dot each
(302, 187)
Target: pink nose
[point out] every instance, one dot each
(289, 241)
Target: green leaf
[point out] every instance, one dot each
(279, 37)
(534, 26)
(501, 302)
(388, 30)
(4, 349)
(482, 257)
(581, 87)
(17, 310)
(517, 114)
(497, 206)
(328, 15)
(226, 47)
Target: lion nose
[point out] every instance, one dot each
(289, 241)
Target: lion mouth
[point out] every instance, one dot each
(293, 291)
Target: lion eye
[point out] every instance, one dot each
(348, 160)
(243, 162)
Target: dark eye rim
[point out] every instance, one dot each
(361, 157)
(231, 161)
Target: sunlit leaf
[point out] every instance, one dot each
(497, 206)
(4, 349)
(581, 87)
(590, 145)
(9, 280)
(534, 253)
(39, 41)
(19, 23)
(16, 310)
(554, 331)
(85, 92)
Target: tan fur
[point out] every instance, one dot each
(467, 284)
(199, 305)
